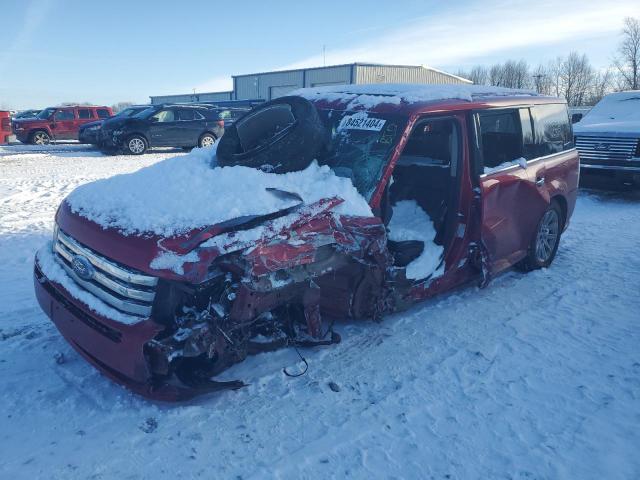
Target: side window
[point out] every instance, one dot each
(501, 137)
(528, 143)
(64, 115)
(84, 113)
(186, 114)
(164, 116)
(552, 129)
(431, 143)
(103, 113)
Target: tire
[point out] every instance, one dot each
(39, 137)
(206, 140)
(544, 245)
(136, 145)
(281, 149)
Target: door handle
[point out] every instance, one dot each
(539, 181)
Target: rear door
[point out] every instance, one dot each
(191, 124)
(511, 202)
(163, 128)
(64, 125)
(85, 115)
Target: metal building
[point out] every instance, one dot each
(192, 97)
(270, 85)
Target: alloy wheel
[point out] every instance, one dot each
(136, 145)
(207, 141)
(41, 138)
(547, 236)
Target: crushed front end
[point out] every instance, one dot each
(165, 332)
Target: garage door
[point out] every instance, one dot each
(281, 90)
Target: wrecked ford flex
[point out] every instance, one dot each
(344, 201)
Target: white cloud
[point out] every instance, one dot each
(461, 34)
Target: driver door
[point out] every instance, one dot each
(163, 128)
(64, 124)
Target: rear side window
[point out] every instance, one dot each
(103, 113)
(84, 113)
(189, 114)
(501, 136)
(64, 115)
(552, 129)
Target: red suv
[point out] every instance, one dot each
(363, 200)
(57, 123)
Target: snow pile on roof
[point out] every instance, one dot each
(395, 93)
(617, 112)
(187, 192)
(410, 222)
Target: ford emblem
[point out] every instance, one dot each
(602, 147)
(82, 267)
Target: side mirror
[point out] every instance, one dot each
(153, 119)
(576, 117)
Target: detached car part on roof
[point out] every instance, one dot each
(282, 135)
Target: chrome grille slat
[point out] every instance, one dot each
(128, 291)
(617, 148)
(104, 264)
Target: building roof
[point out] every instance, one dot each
(352, 65)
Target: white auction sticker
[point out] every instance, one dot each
(361, 121)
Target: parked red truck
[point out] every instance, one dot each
(461, 182)
(5, 126)
(58, 123)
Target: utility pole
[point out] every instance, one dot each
(324, 55)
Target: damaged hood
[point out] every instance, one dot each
(186, 257)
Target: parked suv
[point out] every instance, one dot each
(90, 132)
(163, 126)
(608, 137)
(57, 123)
(390, 194)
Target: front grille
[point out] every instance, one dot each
(126, 290)
(606, 149)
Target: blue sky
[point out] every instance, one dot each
(116, 50)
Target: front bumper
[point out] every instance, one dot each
(115, 349)
(86, 136)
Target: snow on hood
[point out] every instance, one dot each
(617, 112)
(369, 96)
(187, 192)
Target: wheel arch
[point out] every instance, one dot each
(562, 203)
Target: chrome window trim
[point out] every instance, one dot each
(529, 162)
(609, 167)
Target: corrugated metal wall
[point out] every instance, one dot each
(271, 85)
(259, 86)
(400, 74)
(197, 97)
(328, 76)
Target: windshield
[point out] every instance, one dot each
(146, 112)
(621, 107)
(360, 145)
(46, 113)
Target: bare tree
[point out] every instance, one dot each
(496, 75)
(118, 107)
(479, 75)
(542, 80)
(628, 60)
(576, 77)
(601, 85)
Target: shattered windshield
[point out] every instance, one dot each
(360, 145)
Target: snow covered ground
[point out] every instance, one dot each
(536, 376)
